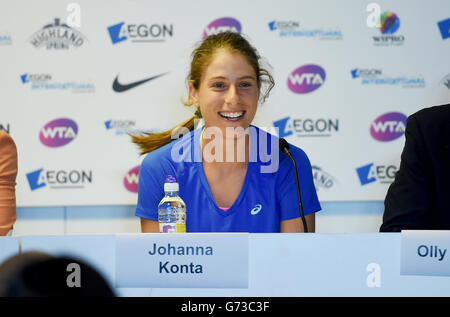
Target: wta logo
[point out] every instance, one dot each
(388, 126)
(222, 25)
(306, 79)
(58, 132)
(131, 179)
(389, 23)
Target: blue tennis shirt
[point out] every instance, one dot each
(268, 195)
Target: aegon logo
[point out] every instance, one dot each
(222, 25)
(444, 28)
(61, 179)
(306, 127)
(306, 79)
(388, 126)
(322, 179)
(142, 33)
(131, 179)
(35, 78)
(58, 132)
(385, 174)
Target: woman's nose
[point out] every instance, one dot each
(232, 96)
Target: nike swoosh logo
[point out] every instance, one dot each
(118, 87)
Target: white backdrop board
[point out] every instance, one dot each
(343, 87)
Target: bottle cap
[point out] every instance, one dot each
(171, 179)
(171, 184)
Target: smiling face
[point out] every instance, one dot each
(228, 93)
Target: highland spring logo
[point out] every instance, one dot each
(57, 36)
(58, 132)
(322, 179)
(388, 126)
(222, 25)
(306, 79)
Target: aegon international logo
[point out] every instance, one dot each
(370, 173)
(388, 126)
(306, 79)
(131, 179)
(5, 38)
(59, 179)
(58, 132)
(376, 77)
(222, 25)
(45, 81)
(57, 36)
(307, 127)
(140, 33)
(389, 25)
(322, 179)
(289, 28)
(444, 28)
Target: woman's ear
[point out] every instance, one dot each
(193, 94)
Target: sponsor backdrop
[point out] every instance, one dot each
(76, 77)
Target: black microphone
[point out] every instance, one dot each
(284, 146)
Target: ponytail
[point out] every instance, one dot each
(149, 141)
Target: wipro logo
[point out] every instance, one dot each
(306, 79)
(389, 23)
(131, 179)
(58, 132)
(222, 25)
(388, 126)
(371, 173)
(59, 179)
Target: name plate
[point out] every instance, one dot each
(182, 260)
(425, 252)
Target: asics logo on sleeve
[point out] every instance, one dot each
(256, 210)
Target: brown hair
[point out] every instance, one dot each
(201, 58)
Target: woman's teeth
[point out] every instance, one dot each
(232, 115)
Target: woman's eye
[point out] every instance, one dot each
(219, 85)
(245, 84)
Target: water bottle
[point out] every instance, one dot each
(171, 209)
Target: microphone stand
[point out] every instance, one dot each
(284, 146)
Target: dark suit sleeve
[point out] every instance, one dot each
(408, 203)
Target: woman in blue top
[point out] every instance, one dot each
(231, 175)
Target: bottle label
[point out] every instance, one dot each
(172, 227)
(180, 227)
(166, 227)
